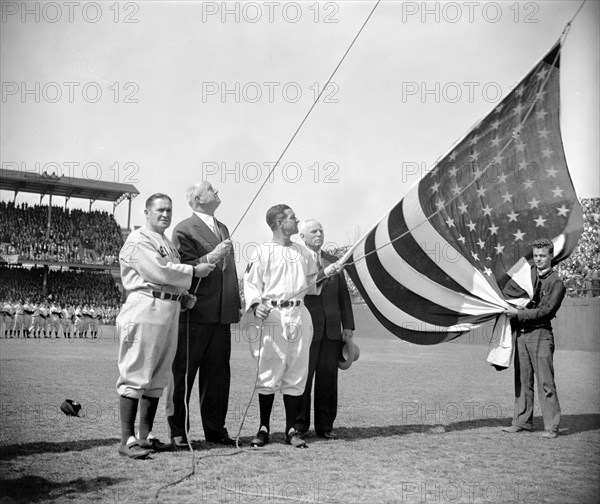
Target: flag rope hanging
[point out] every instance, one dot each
(350, 251)
(562, 39)
(240, 450)
(304, 119)
(344, 259)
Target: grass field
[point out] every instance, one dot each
(416, 424)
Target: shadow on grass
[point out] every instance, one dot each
(22, 450)
(37, 489)
(569, 425)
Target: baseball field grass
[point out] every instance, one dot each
(416, 424)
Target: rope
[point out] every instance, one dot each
(345, 258)
(351, 250)
(240, 450)
(475, 179)
(304, 119)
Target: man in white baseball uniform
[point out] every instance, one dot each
(147, 324)
(275, 284)
(53, 326)
(19, 321)
(66, 320)
(7, 316)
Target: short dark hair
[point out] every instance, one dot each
(274, 213)
(543, 243)
(156, 196)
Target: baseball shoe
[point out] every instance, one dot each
(179, 443)
(261, 439)
(133, 450)
(550, 435)
(296, 439)
(513, 429)
(155, 444)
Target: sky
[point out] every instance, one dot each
(163, 95)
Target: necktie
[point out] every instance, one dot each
(220, 237)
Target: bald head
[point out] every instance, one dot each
(202, 197)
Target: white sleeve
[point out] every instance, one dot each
(254, 282)
(145, 260)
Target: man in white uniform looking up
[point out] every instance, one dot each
(275, 284)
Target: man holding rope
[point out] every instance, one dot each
(147, 324)
(333, 324)
(275, 284)
(204, 345)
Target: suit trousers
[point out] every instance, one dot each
(323, 370)
(534, 357)
(209, 353)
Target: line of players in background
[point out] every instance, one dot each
(51, 320)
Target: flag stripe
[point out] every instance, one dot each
(401, 270)
(433, 268)
(407, 248)
(457, 266)
(400, 305)
(412, 331)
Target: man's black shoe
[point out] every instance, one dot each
(296, 439)
(261, 439)
(179, 443)
(155, 444)
(225, 440)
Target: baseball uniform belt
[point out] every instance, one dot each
(286, 304)
(167, 296)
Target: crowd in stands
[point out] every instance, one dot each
(581, 270)
(91, 292)
(75, 236)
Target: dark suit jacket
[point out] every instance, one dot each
(332, 309)
(218, 296)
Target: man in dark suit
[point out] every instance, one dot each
(333, 323)
(205, 329)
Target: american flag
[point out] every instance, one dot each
(434, 266)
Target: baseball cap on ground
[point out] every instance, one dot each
(70, 407)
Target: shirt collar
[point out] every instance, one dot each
(209, 220)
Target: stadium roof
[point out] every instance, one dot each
(68, 187)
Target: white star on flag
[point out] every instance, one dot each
(511, 166)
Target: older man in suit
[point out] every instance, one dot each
(333, 323)
(205, 330)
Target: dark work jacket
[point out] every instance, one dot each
(332, 309)
(218, 296)
(549, 291)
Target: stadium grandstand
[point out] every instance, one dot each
(59, 266)
(581, 271)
